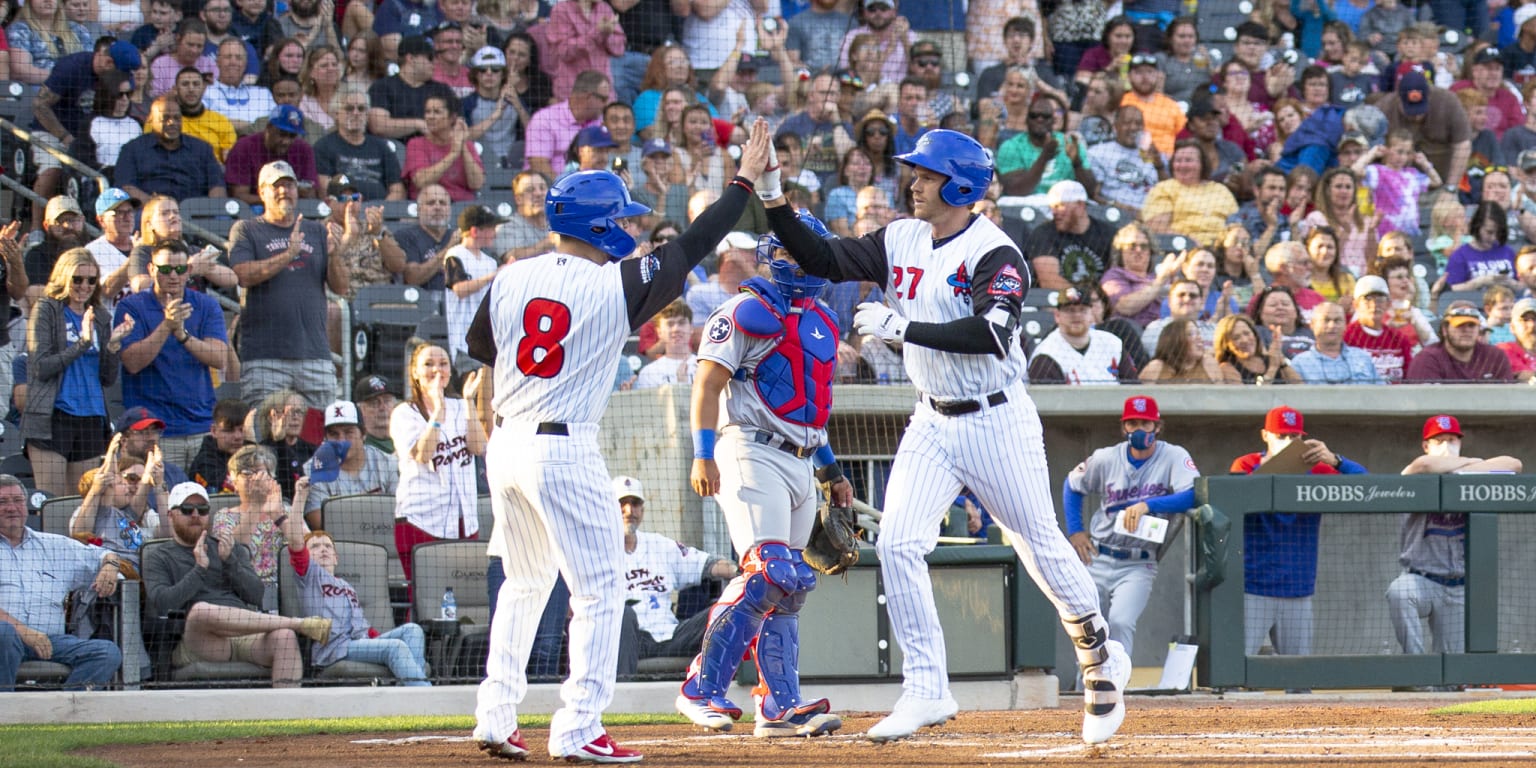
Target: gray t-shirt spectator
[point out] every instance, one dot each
(284, 317)
(817, 36)
(419, 247)
(173, 582)
(518, 232)
(380, 474)
(321, 593)
(371, 167)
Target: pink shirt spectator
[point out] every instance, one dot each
(1504, 108)
(895, 67)
(243, 163)
(1520, 361)
(550, 132)
(1397, 197)
(164, 71)
(421, 152)
(455, 78)
(575, 43)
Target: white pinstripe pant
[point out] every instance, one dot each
(999, 453)
(554, 500)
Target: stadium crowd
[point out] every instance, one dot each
(1337, 192)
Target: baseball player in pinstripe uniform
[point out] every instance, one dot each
(1433, 584)
(560, 321)
(954, 284)
(772, 351)
(1140, 475)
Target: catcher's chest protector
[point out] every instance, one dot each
(795, 379)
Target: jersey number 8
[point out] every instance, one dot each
(545, 324)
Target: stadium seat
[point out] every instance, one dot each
(15, 156)
(384, 317)
(56, 512)
(314, 208)
(368, 519)
(222, 501)
(1037, 325)
(437, 566)
(498, 179)
(1476, 297)
(433, 329)
(364, 566)
(1170, 244)
(215, 214)
(399, 210)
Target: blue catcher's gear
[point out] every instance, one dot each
(794, 283)
(958, 156)
(587, 205)
(795, 379)
(777, 654)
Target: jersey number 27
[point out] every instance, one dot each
(545, 324)
(896, 276)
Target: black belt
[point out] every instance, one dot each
(962, 407)
(777, 441)
(1125, 554)
(547, 428)
(1444, 581)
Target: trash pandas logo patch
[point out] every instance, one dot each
(650, 264)
(719, 329)
(1007, 283)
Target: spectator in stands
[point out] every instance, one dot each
(63, 229)
(210, 468)
(815, 35)
(61, 110)
(1336, 207)
(160, 222)
(219, 17)
(39, 36)
(1241, 359)
(526, 233)
(109, 126)
(659, 191)
(1390, 350)
(1487, 77)
(255, 24)
(1163, 117)
(1261, 216)
(436, 443)
(1280, 549)
(1498, 307)
(1189, 203)
(1204, 127)
(115, 511)
(399, 20)
(141, 430)
(1116, 38)
(1029, 163)
(854, 173)
(588, 35)
(1522, 351)
(72, 351)
(1522, 138)
(164, 162)
(1237, 266)
(319, 80)
(892, 35)
(364, 468)
(399, 102)
(230, 95)
(1437, 122)
(376, 399)
(1331, 360)
(1406, 316)
(211, 578)
(416, 252)
(738, 261)
(1433, 548)
(825, 132)
(1328, 277)
(1488, 259)
(926, 64)
(551, 129)
(177, 340)
(43, 569)
(1181, 356)
(306, 23)
(590, 150)
(677, 363)
(1184, 61)
(648, 26)
(1277, 314)
(114, 214)
(1397, 176)
(1076, 352)
(1186, 301)
(1135, 291)
(287, 90)
(1290, 267)
(281, 140)
(364, 160)
(283, 60)
(283, 264)
(191, 35)
(1460, 356)
(278, 425)
(492, 110)
(197, 120)
(1068, 251)
(1021, 51)
(468, 271)
(1125, 169)
(656, 567)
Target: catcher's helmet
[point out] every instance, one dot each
(795, 283)
(958, 156)
(587, 205)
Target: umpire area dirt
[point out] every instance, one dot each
(1250, 730)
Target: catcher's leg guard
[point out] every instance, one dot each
(769, 572)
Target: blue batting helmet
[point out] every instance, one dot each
(795, 283)
(587, 205)
(958, 156)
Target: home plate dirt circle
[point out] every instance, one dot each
(1266, 730)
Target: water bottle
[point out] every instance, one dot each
(450, 609)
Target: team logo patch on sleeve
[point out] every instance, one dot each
(650, 264)
(1007, 283)
(719, 329)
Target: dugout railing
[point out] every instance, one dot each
(1492, 652)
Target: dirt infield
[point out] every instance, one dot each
(1158, 732)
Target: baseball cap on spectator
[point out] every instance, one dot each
(415, 45)
(657, 146)
(924, 48)
(275, 171)
(184, 491)
(1354, 137)
(624, 487)
(327, 461)
(59, 206)
(1370, 285)
(594, 136)
(740, 241)
(1144, 59)
(110, 199)
(1523, 14)
(478, 216)
(125, 56)
(1073, 296)
(869, 4)
(1068, 191)
(341, 413)
(1413, 92)
(1463, 312)
(369, 387)
(1489, 55)
(340, 185)
(288, 119)
(1140, 407)
(489, 57)
(1199, 106)
(748, 63)
(1441, 425)
(1523, 307)
(1528, 160)
(137, 418)
(443, 26)
(1254, 30)
(1284, 420)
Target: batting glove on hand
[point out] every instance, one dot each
(880, 321)
(770, 184)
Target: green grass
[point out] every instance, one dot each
(1521, 706)
(49, 746)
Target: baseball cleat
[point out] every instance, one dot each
(807, 724)
(910, 714)
(511, 749)
(704, 715)
(1104, 694)
(602, 749)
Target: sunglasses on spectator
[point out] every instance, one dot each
(877, 132)
(83, 280)
(1143, 59)
(351, 197)
(1041, 115)
(659, 239)
(166, 269)
(927, 61)
(200, 510)
(851, 80)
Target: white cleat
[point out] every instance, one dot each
(807, 725)
(910, 714)
(1104, 694)
(703, 715)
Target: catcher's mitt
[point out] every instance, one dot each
(834, 544)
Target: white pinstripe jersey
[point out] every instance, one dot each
(560, 323)
(929, 285)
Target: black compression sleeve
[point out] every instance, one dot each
(967, 336)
